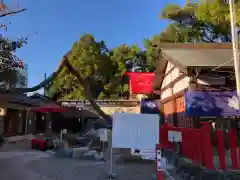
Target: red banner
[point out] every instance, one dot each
(140, 83)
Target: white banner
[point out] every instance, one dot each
(135, 130)
(145, 153)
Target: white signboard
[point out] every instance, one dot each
(149, 154)
(103, 134)
(135, 130)
(159, 158)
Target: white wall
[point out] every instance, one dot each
(179, 86)
(112, 110)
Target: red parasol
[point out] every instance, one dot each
(48, 108)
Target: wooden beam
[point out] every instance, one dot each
(170, 70)
(174, 96)
(174, 106)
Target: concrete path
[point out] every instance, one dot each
(23, 163)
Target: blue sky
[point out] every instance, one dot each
(59, 23)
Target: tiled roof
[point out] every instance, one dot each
(184, 55)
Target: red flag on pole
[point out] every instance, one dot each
(140, 82)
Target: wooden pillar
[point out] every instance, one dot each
(192, 86)
(232, 135)
(26, 121)
(221, 149)
(207, 148)
(174, 105)
(30, 126)
(48, 118)
(2, 116)
(1, 125)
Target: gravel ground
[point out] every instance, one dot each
(18, 161)
(188, 171)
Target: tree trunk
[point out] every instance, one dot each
(96, 107)
(87, 93)
(82, 82)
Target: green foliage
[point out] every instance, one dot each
(102, 68)
(203, 21)
(151, 56)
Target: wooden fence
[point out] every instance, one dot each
(212, 149)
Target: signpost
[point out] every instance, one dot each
(159, 172)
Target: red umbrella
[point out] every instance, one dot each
(48, 108)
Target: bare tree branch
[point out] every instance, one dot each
(3, 26)
(12, 12)
(5, 12)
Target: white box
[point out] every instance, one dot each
(174, 136)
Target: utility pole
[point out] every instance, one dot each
(232, 9)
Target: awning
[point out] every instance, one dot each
(211, 103)
(48, 108)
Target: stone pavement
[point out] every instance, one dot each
(23, 163)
